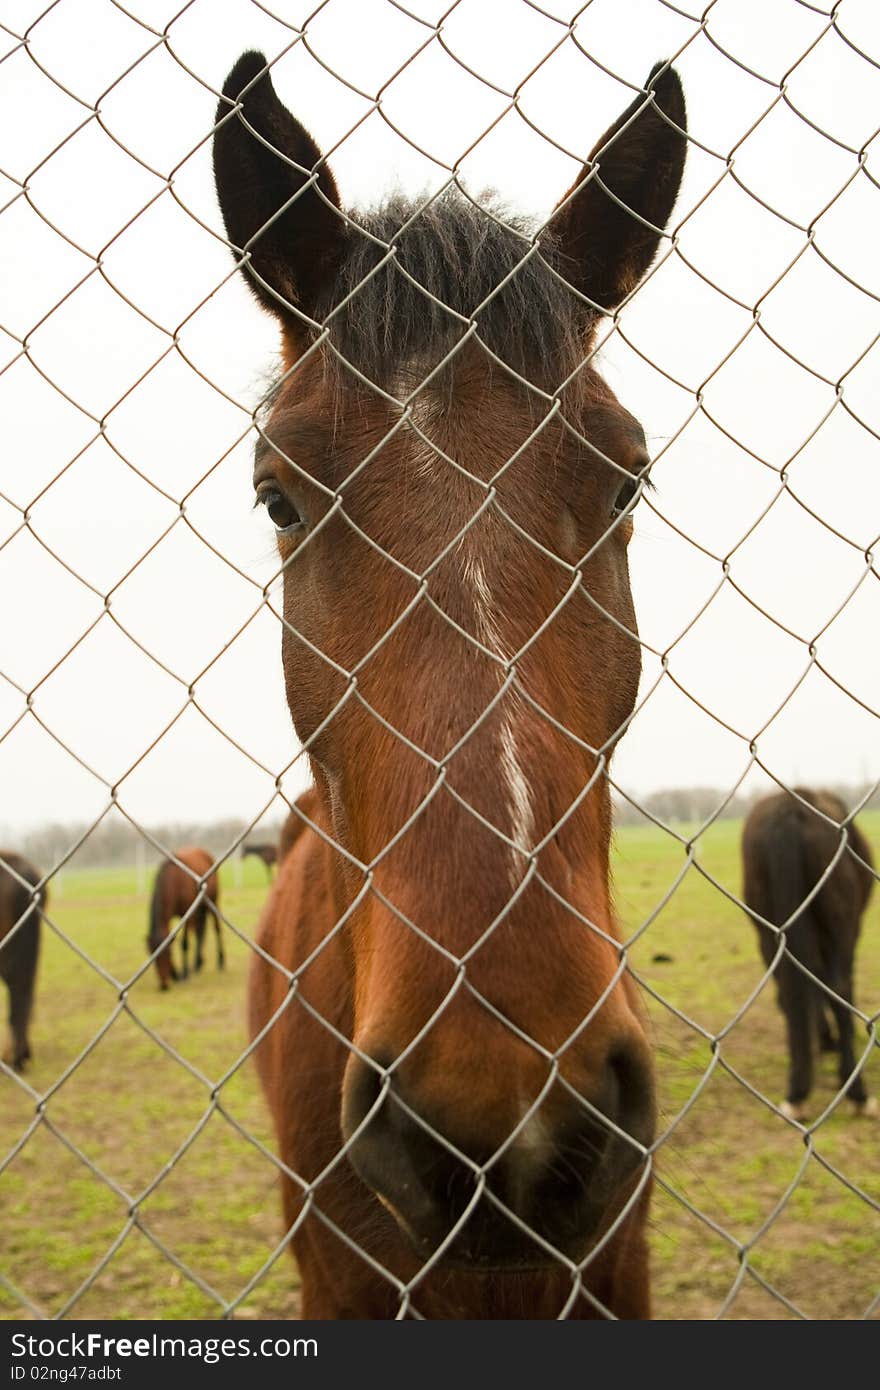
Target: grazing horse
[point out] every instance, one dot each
(295, 823)
(178, 892)
(457, 1063)
(21, 903)
(788, 842)
(268, 854)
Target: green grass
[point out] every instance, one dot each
(730, 1157)
(128, 1108)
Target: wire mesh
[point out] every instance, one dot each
(702, 1049)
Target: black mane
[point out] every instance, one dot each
(452, 256)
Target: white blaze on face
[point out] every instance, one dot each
(522, 824)
(519, 803)
(487, 628)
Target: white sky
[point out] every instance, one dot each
(101, 355)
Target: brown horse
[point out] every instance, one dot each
(306, 808)
(458, 1068)
(186, 886)
(788, 843)
(21, 902)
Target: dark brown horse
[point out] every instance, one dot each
(186, 886)
(461, 1078)
(21, 902)
(267, 853)
(788, 843)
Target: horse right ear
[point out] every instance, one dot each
(609, 224)
(285, 224)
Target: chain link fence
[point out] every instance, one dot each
(140, 677)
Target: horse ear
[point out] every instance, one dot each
(288, 227)
(608, 228)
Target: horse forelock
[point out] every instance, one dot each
(417, 279)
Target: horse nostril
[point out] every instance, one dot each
(393, 1153)
(632, 1088)
(363, 1092)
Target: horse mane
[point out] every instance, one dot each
(452, 255)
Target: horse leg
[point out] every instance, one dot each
(854, 1086)
(9, 1052)
(184, 949)
(20, 1004)
(827, 1040)
(221, 958)
(164, 964)
(168, 956)
(797, 1003)
(20, 974)
(198, 926)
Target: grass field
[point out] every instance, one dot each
(128, 1108)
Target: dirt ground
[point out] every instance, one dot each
(127, 1192)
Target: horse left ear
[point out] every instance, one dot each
(286, 223)
(608, 228)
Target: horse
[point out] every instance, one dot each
(452, 1047)
(186, 886)
(304, 810)
(22, 900)
(788, 842)
(266, 852)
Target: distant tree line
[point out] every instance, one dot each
(694, 805)
(115, 841)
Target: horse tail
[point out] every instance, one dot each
(157, 921)
(790, 885)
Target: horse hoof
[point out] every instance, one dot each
(793, 1110)
(868, 1109)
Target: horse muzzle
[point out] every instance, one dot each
(544, 1189)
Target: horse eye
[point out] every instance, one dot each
(626, 495)
(282, 513)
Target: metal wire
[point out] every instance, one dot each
(434, 34)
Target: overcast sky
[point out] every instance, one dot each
(132, 360)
